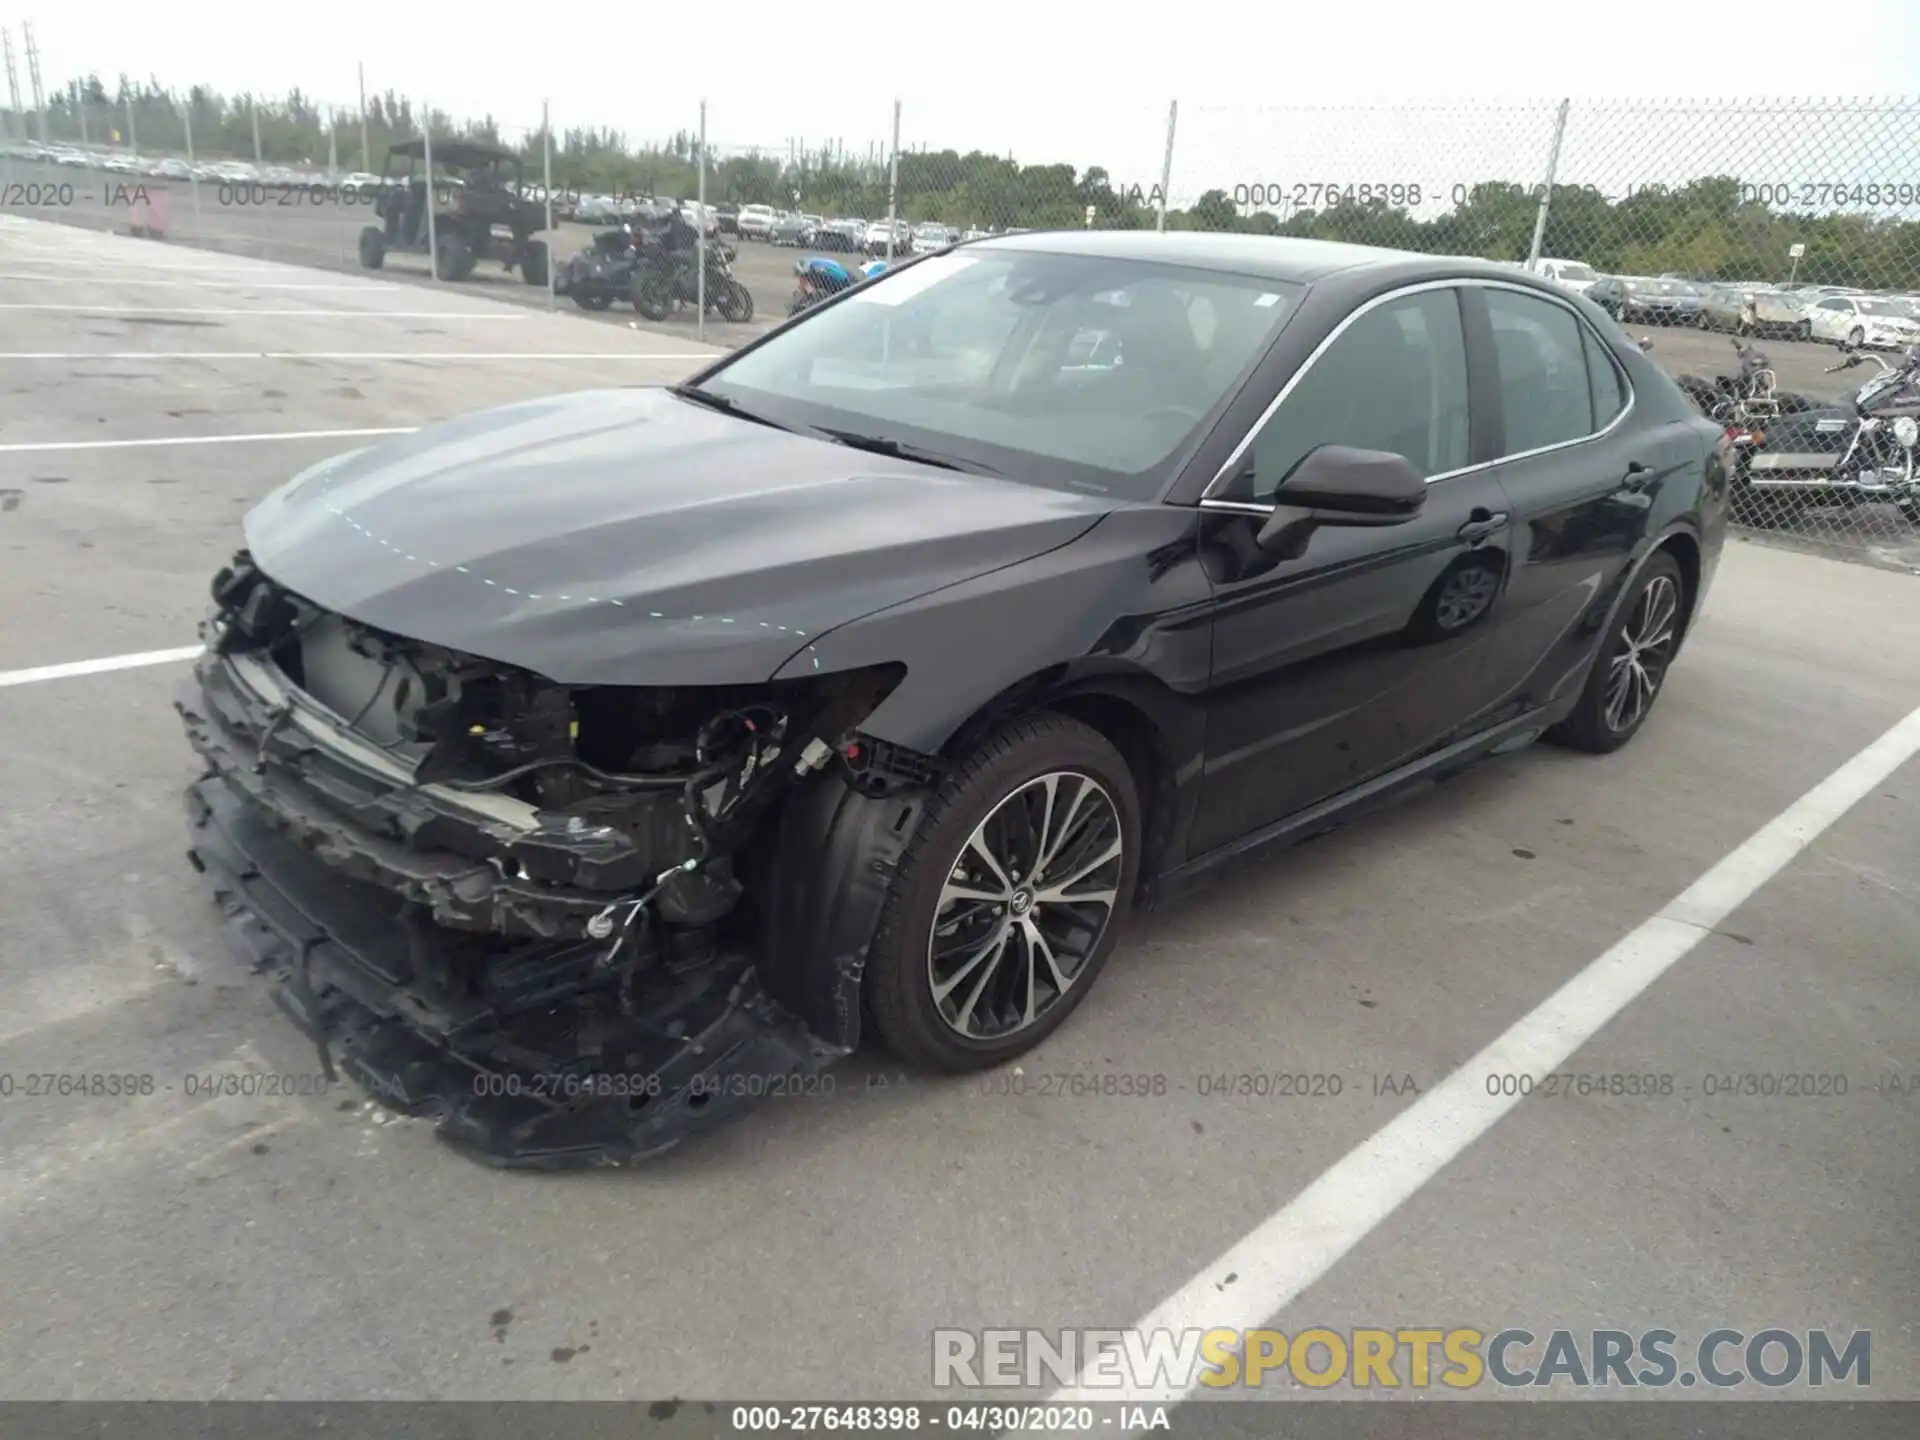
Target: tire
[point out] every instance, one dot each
(652, 297)
(1856, 337)
(533, 264)
(455, 260)
(373, 247)
(592, 298)
(1803, 330)
(1595, 726)
(737, 304)
(994, 786)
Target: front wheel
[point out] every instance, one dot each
(652, 296)
(1632, 664)
(737, 303)
(1803, 330)
(373, 247)
(1010, 898)
(455, 260)
(1856, 337)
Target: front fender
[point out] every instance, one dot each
(1129, 595)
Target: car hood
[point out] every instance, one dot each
(630, 537)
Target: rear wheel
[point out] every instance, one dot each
(1008, 902)
(1803, 330)
(533, 263)
(373, 247)
(1632, 664)
(592, 297)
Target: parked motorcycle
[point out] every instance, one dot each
(665, 280)
(1860, 451)
(817, 278)
(1749, 396)
(601, 273)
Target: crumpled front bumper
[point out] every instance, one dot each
(478, 862)
(574, 1082)
(526, 1052)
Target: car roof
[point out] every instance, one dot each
(1271, 257)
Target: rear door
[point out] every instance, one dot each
(1580, 473)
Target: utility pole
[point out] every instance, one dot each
(366, 154)
(33, 79)
(19, 120)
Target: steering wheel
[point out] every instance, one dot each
(1192, 417)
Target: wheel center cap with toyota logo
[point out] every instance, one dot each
(1021, 903)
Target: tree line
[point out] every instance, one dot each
(1709, 229)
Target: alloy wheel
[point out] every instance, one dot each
(1644, 651)
(1465, 597)
(1024, 906)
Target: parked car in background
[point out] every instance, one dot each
(1657, 301)
(1574, 275)
(727, 217)
(755, 221)
(791, 230)
(1759, 310)
(842, 236)
(876, 238)
(934, 237)
(1863, 322)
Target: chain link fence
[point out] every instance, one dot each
(1788, 227)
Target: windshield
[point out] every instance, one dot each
(1888, 308)
(1094, 374)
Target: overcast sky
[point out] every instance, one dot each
(1090, 84)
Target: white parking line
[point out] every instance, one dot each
(97, 667)
(1272, 1265)
(44, 445)
(342, 355)
(236, 266)
(365, 287)
(124, 310)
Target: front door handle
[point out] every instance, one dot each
(1638, 476)
(1483, 522)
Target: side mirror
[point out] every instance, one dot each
(1344, 486)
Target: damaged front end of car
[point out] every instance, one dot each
(571, 924)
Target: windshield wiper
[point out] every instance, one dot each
(725, 406)
(900, 450)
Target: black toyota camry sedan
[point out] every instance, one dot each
(586, 769)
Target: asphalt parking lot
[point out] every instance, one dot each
(173, 1245)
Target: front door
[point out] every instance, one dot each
(1365, 651)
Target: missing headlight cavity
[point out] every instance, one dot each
(572, 877)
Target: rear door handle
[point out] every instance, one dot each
(1638, 476)
(1483, 522)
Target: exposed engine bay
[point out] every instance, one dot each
(565, 921)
